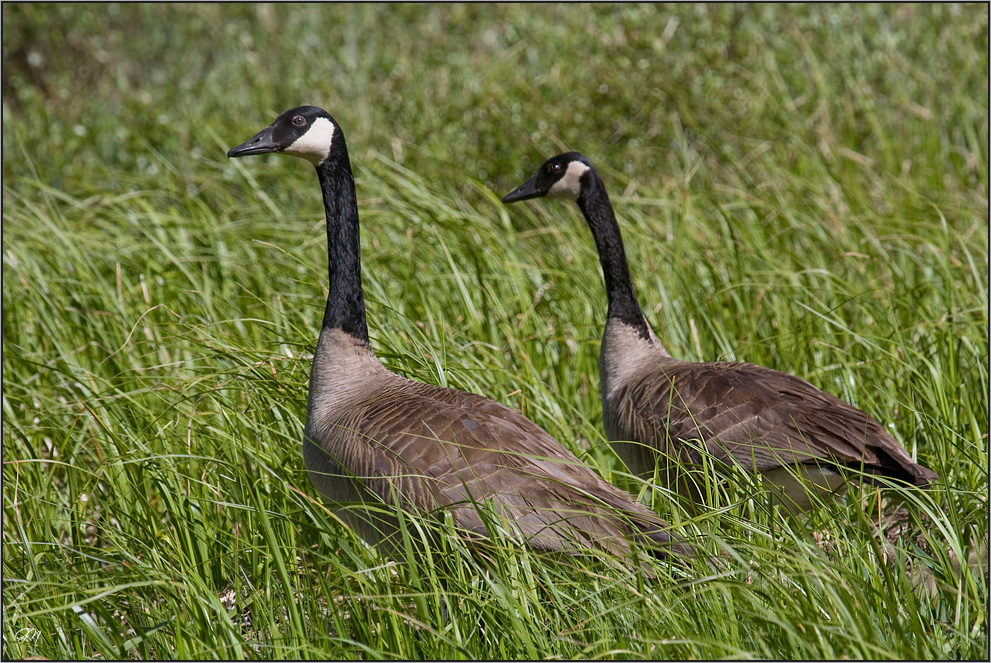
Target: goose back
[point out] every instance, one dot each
(438, 449)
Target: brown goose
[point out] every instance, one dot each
(374, 440)
(662, 411)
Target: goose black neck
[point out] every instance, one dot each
(345, 300)
(594, 204)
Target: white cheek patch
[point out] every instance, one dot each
(570, 185)
(314, 145)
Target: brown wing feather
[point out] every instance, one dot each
(439, 448)
(761, 418)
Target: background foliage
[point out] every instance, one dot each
(802, 187)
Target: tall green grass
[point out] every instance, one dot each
(799, 187)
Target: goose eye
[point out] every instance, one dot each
(554, 167)
(299, 120)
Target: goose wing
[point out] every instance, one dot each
(446, 449)
(761, 418)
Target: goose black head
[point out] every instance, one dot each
(305, 131)
(560, 177)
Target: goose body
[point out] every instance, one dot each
(662, 412)
(375, 441)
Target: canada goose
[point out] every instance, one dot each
(375, 438)
(658, 408)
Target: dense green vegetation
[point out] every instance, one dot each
(801, 187)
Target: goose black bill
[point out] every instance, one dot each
(260, 143)
(525, 191)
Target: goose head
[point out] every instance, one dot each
(562, 176)
(305, 131)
